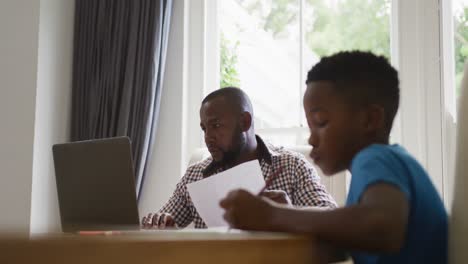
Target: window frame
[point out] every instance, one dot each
(418, 52)
(449, 117)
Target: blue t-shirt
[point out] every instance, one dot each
(426, 233)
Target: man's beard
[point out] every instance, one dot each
(238, 143)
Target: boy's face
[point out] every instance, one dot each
(336, 129)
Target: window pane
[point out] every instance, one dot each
(266, 52)
(455, 55)
(259, 42)
(337, 25)
(460, 23)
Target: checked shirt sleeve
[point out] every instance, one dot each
(308, 190)
(179, 205)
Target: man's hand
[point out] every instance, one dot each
(158, 221)
(278, 196)
(247, 211)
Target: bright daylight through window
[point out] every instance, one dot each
(460, 16)
(456, 38)
(267, 47)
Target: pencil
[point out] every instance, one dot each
(95, 233)
(272, 177)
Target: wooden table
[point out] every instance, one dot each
(162, 247)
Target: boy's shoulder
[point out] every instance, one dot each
(385, 163)
(380, 153)
(379, 162)
(380, 149)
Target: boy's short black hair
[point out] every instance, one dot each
(363, 78)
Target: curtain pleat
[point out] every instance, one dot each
(118, 67)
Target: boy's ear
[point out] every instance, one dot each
(375, 120)
(245, 121)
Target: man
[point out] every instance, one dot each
(226, 118)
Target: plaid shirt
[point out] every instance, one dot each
(298, 179)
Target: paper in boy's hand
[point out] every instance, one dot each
(207, 193)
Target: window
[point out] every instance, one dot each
(251, 43)
(455, 54)
(267, 47)
(460, 35)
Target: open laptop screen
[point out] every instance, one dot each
(96, 185)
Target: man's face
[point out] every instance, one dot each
(336, 129)
(221, 126)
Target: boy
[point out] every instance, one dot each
(393, 213)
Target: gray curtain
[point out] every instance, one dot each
(119, 56)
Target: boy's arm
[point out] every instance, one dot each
(377, 223)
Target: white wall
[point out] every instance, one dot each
(166, 165)
(18, 67)
(35, 73)
(53, 107)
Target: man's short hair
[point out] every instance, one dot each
(363, 78)
(235, 97)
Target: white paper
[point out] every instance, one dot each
(207, 193)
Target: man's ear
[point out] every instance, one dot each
(245, 121)
(375, 118)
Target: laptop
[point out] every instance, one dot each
(96, 185)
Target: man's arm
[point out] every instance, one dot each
(309, 192)
(377, 223)
(177, 208)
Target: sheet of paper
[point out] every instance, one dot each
(207, 193)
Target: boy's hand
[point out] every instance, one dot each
(158, 221)
(277, 196)
(247, 211)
